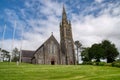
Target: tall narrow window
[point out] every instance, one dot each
(52, 47)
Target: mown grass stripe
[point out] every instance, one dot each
(10, 71)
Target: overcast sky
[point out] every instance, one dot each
(92, 21)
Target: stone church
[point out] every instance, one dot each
(51, 52)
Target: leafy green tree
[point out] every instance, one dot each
(6, 55)
(104, 50)
(85, 55)
(111, 51)
(15, 55)
(96, 52)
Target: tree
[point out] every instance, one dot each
(78, 46)
(85, 55)
(111, 51)
(6, 55)
(96, 52)
(102, 50)
(15, 55)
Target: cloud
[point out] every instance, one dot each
(99, 1)
(35, 29)
(93, 29)
(91, 24)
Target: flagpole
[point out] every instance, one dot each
(3, 36)
(13, 40)
(21, 46)
(3, 39)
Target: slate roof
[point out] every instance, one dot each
(27, 53)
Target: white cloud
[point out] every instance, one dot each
(38, 30)
(91, 29)
(99, 1)
(88, 29)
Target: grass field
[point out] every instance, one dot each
(10, 71)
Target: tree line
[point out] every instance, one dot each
(104, 50)
(6, 55)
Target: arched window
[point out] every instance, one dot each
(51, 48)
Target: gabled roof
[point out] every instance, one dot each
(27, 53)
(50, 38)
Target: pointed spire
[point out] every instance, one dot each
(64, 16)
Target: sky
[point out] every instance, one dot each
(92, 21)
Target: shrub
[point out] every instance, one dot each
(116, 64)
(101, 63)
(87, 63)
(108, 64)
(94, 63)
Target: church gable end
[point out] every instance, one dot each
(49, 52)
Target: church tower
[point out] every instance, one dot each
(66, 41)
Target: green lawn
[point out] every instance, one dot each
(10, 71)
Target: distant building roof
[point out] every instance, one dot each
(27, 53)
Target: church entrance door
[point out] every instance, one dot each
(52, 62)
